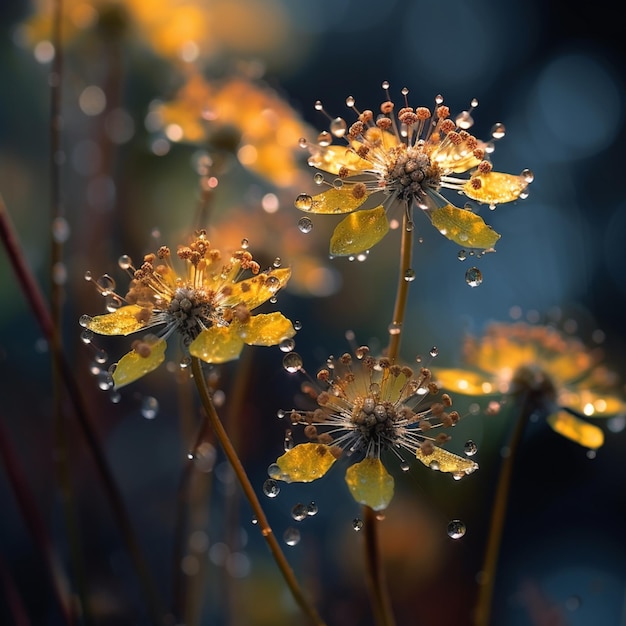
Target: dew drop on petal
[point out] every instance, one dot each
(271, 488)
(86, 336)
(473, 277)
(85, 320)
(470, 448)
(409, 275)
(291, 536)
(305, 225)
(149, 407)
(357, 524)
(292, 362)
(287, 345)
(318, 179)
(299, 512)
(304, 202)
(528, 176)
(288, 441)
(410, 226)
(456, 529)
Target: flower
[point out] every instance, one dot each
(562, 376)
(240, 116)
(371, 412)
(208, 308)
(404, 161)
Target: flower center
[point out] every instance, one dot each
(375, 422)
(191, 311)
(411, 173)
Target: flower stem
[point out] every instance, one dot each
(482, 612)
(266, 530)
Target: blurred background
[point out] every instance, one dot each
(179, 114)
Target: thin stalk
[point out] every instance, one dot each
(37, 303)
(307, 608)
(379, 593)
(482, 613)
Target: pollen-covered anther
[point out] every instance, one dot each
(143, 315)
(310, 431)
(363, 151)
(323, 375)
(142, 348)
(454, 416)
(479, 153)
(359, 190)
(446, 400)
(433, 388)
(485, 167)
(437, 409)
(343, 172)
(447, 126)
(442, 438)
(356, 130)
(427, 447)
(384, 363)
(443, 112)
(423, 113)
(424, 425)
(323, 398)
(384, 123)
(241, 313)
(476, 183)
(361, 351)
(295, 417)
(386, 107)
(455, 138)
(472, 142)
(366, 116)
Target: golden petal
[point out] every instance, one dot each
(359, 231)
(217, 344)
(463, 381)
(455, 159)
(496, 187)
(577, 430)
(304, 463)
(123, 321)
(266, 329)
(463, 227)
(448, 462)
(133, 365)
(590, 403)
(256, 290)
(333, 158)
(370, 483)
(333, 201)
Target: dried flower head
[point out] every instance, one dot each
(404, 158)
(207, 307)
(369, 410)
(238, 116)
(562, 377)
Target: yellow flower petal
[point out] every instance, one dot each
(463, 381)
(256, 290)
(217, 344)
(495, 187)
(333, 201)
(576, 429)
(334, 158)
(123, 321)
(463, 227)
(359, 231)
(370, 484)
(448, 462)
(304, 463)
(266, 329)
(133, 366)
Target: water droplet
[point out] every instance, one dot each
(125, 262)
(291, 536)
(245, 243)
(338, 127)
(287, 345)
(304, 202)
(473, 277)
(271, 488)
(470, 448)
(404, 466)
(357, 524)
(101, 356)
(292, 362)
(409, 275)
(297, 325)
(86, 336)
(338, 183)
(312, 509)
(274, 471)
(280, 414)
(474, 103)
(113, 302)
(434, 351)
(204, 457)
(105, 381)
(434, 465)
(462, 255)
(272, 283)
(302, 142)
(394, 328)
(456, 529)
(438, 99)
(528, 176)
(324, 139)
(106, 284)
(350, 101)
(410, 226)
(149, 407)
(299, 512)
(318, 179)
(385, 84)
(87, 276)
(115, 397)
(464, 120)
(85, 320)
(498, 130)
(277, 262)
(591, 454)
(318, 105)
(254, 520)
(288, 442)
(60, 230)
(305, 224)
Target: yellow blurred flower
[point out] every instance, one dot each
(403, 161)
(239, 116)
(562, 377)
(367, 412)
(208, 308)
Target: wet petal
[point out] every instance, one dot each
(304, 463)
(266, 329)
(463, 381)
(123, 321)
(133, 366)
(370, 484)
(463, 227)
(333, 158)
(455, 158)
(359, 231)
(256, 290)
(336, 201)
(577, 430)
(495, 187)
(448, 462)
(217, 344)
(591, 404)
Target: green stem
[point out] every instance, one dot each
(307, 608)
(482, 612)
